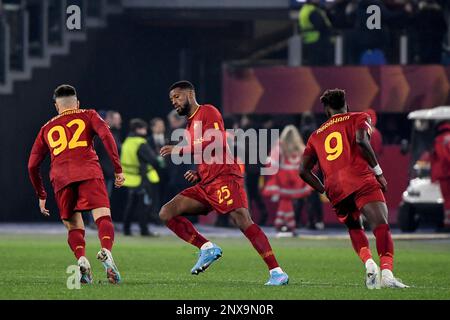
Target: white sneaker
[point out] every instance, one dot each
(372, 275)
(112, 273)
(85, 270)
(389, 281)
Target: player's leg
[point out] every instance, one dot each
(105, 227)
(259, 240)
(130, 208)
(92, 195)
(171, 215)
(66, 200)
(376, 213)
(76, 232)
(360, 244)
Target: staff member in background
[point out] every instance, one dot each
(440, 167)
(286, 185)
(376, 139)
(114, 121)
(139, 162)
(313, 202)
(157, 139)
(316, 33)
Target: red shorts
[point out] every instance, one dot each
(81, 196)
(351, 206)
(225, 194)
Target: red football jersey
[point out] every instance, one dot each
(68, 138)
(207, 117)
(340, 159)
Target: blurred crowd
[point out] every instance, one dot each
(424, 22)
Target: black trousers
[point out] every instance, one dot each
(251, 184)
(313, 208)
(140, 203)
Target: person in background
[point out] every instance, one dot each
(114, 121)
(316, 33)
(431, 28)
(376, 139)
(286, 185)
(370, 46)
(139, 163)
(440, 167)
(156, 140)
(313, 202)
(252, 173)
(176, 181)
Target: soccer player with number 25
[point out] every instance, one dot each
(219, 185)
(77, 177)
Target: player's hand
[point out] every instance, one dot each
(43, 209)
(192, 176)
(120, 179)
(169, 149)
(382, 181)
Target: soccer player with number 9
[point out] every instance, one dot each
(354, 183)
(77, 177)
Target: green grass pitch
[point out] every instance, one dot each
(34, 267)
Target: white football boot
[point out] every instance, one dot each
(112, 273)
(389, 281)
(85, 270)
(373, 278)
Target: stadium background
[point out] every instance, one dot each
(238, 53)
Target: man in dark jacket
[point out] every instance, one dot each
(139, 163)
(431, 28)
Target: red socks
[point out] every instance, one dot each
(185, 230)
(76, 242)
(385, 246)
(360, 244)
(105, 232)
(262, 245)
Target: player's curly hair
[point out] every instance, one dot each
(183, 84)
(333, 98)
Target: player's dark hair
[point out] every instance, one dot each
(137, 123)
(64, 90)
(183, 84)
(333, 98)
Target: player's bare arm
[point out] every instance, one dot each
(192, 176)
(308, 176)
(363, 141)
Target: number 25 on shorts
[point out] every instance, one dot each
(223, 194)
(60, 144)
(336, 151)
